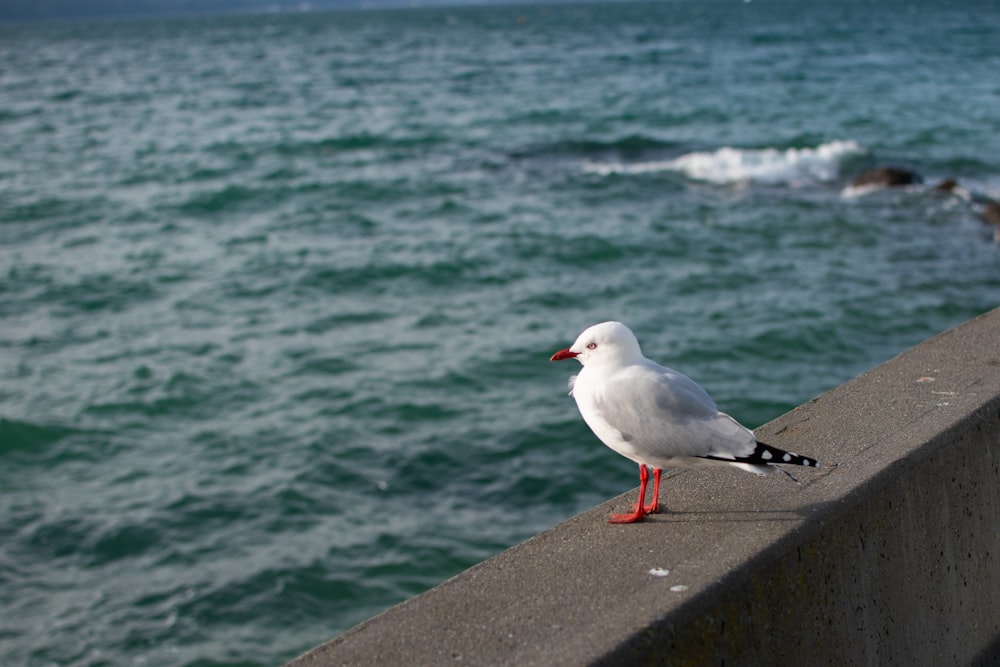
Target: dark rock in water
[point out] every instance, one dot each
(947, 185)
(886, 177)
(991, 213)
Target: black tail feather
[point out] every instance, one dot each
(765, 454)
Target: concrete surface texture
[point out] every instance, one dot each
(889, 554)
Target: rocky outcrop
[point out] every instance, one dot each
(886, 177)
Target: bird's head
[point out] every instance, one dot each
(604, 343)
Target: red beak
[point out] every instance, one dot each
(564, 354)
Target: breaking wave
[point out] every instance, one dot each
(727, 165)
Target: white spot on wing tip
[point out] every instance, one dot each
(679, 588)
(659, 571)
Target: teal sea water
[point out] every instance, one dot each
(278, 292)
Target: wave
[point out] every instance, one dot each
(28, 436)
(728, 165)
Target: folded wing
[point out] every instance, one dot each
(665, 414)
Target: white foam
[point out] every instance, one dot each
(771, 166)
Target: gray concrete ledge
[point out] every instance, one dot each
(888, 555)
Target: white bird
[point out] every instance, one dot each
(656, 416)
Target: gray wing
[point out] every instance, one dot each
(663, 414)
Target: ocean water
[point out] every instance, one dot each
(278, 292)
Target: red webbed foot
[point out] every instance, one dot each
(636, 515)
(640, 510)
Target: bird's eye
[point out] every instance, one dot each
(591, 346)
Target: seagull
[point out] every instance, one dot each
(656, 416)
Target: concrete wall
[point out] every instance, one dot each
(888, 555)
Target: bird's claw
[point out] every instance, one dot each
(638, 512)
(626, 518)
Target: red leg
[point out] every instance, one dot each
(639, 510)
(655, 506)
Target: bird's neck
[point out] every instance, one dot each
(609, 367)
